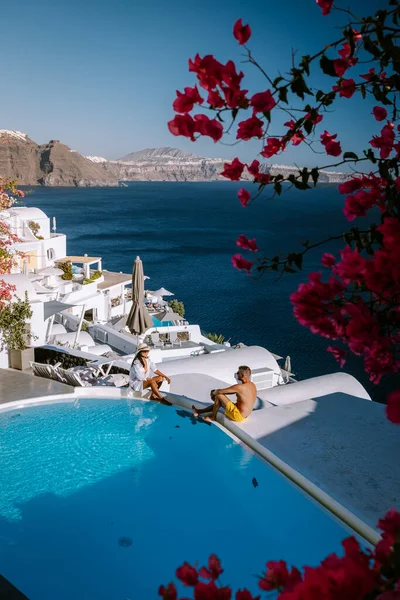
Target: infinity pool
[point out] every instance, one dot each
(102, 500)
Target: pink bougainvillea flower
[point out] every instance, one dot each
(327, 137)
(241, 32)
(263, 178)
(290, 124)
(273, 147)
(275, 577)
(244, 242)
(168, 593)
(215, 100)
(262, 102)
(183, 125)
(325, 5)
(333, 148)
(210, 127)
(245, 595)
(241, 263)
(379, 113)
(233, 170)
(20, 193)
(214, 570)
(341, 65)
(385, 141)
(185, 102)
(370, 75)
(314, 120)
(393, 409)
(253, 169)
(328, 260)
(351, 185)
(339, 354)
(346, 88)
(209, 71)
(250, 128)
(235, 97)
(244, 196)
(297, 138)
(187, 574)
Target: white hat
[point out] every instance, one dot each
(139, 349)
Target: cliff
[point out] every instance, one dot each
(48, 164)
(55, 164)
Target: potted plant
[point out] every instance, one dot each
(15, 332)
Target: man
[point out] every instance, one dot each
(246, 394)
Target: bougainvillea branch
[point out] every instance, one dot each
(357, 304)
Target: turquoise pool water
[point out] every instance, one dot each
(158, 323)
(104, 499)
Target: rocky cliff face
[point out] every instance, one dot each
(56, 164)
(48, 164)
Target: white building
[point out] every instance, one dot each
(40, 246)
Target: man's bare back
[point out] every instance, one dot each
(246, 394)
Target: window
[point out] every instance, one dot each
(51, 254)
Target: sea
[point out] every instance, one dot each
(185, 233)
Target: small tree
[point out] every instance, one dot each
(177, 307)
(67, 268)
(13, 324)
(217, 338)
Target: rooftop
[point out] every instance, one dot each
(80, 259)
(113, 279)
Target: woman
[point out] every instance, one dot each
(144, 374)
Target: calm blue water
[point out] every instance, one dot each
(185, 234)
(104, 500)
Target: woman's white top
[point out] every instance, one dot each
(138, 374)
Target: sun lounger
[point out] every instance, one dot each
(41, 370)
(175, 341)
(155, 340)
(73, 378)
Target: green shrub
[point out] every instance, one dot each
(177, 307)
(67, 268)
(93, 277)
(217, 338)
(13, 324)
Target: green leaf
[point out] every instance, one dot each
(276, 81)
(288, 269)
(350, 155)
(282, 93)
(267, 115)
(370, 46)
(299, 185)
(315, 175)
(298, 84)
(363, 92)
(298, 260)
(305, 63)
(278, 188)
(308, 126)
(327, 66)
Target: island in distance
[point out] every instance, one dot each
(55, 164)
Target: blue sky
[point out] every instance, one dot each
(101, 75)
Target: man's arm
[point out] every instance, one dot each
(229, 390)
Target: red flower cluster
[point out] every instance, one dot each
(357, 575)
(325, 5)
(332, 147)
(244, 242)
(241, 32)
(393, 407)
(244, 196)
(272, 147)
(187, 126)
(241, 263)
(250, 128)
(385, 142)
(346, 60)
(263, 102)
(233, 170)
(370, 191)
(379, 113)
(346, 88)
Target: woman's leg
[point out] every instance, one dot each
(154, 383)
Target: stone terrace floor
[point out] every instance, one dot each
(16, 385)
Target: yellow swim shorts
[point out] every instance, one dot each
(233, 413)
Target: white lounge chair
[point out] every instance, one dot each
(41, 370)
(175, 341)
(73, 378)
(155, 340)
